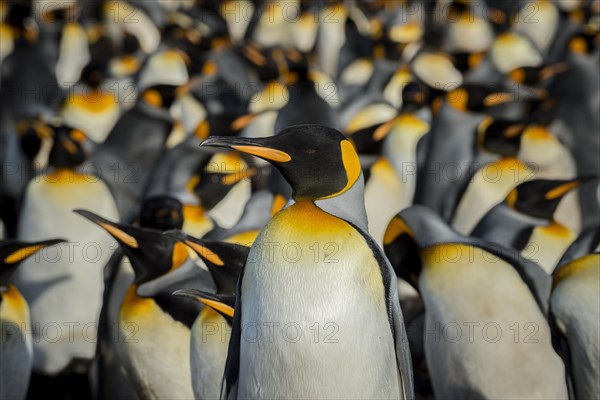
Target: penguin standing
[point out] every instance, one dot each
(150, 318)
(109, 379)
(328, 211)
(76, 271)
(126, 157)
(575, 309)
(475, 292)
(212, 329)
(16, 348)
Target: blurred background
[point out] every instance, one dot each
(458, 105)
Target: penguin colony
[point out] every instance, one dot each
(300, 199)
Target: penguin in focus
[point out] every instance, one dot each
(151, 322)
(466, 281)
(575, 309)
(525, 221)
(328, 211)
(211, 330)
(16, 355)
(46, 212)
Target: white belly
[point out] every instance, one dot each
(314, 325)
(484, 334)
(63, 284)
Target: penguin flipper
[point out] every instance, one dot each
(395, 316)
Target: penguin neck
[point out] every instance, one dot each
(66, 175)
(349, 206)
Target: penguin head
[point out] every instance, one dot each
(93, 74)
(414, 96)
(19, 18)
(151, 253)
(217, 178)
(584, 42)
(32, 132)
(535, 75)
(160, 96)
(70, 148)
(162, 213)
(540, 197)
(224, 260)
(500, 136)
(13, 252)
(476, 98)
(317, 161)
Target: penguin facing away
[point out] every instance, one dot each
(16, 348)
(347, 287)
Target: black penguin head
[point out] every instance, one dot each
(500, 136)
(215, 179)
(535, 75)
(317, 161)
(584, 42)
(414, 96)
(162, 213)
(540, 197)
(70, 147)
(151, 253)
(13, 252)
(17, 15)
(474, 97)
(160, 96)
(32, 132)
(93, 74)
(224, 260)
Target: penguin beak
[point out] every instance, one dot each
(551, 70)
(495, 99)
(111, 227)
(561, 190)
(200, 247)
(224, 305)
(255, 147)
(25, 250)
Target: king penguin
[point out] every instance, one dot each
(212, 329)
(343, 285)
(575, 309)
(478, 297)
(525, 221)
(67, 289)
(16, 348)
(152, 323)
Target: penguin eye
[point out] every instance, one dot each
(310, 151)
